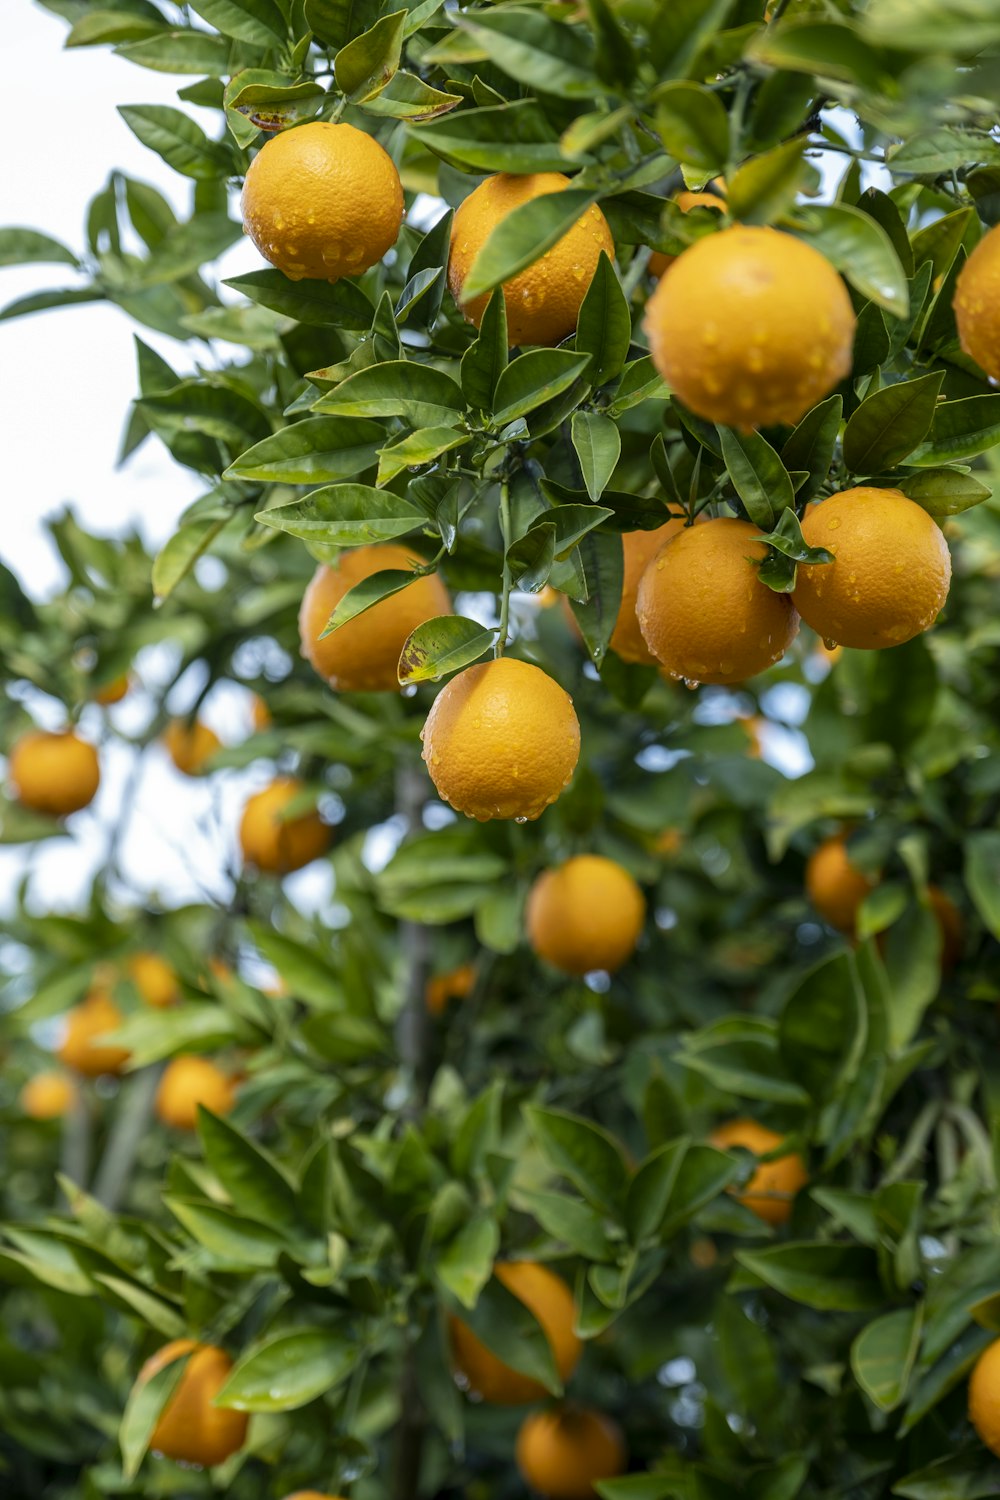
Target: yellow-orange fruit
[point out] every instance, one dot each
(455, 985)
(550, 1300)
(188, 1082)
(190, 1428)
(155, 980)
(82, 1048)
(774, 1184)
(703, 610)
(322, 201)
(585, 914)
(363, 655)
(984, 1397)
(639, 548)
(275, 843)
(659, 261)
(977, 304)
(113, 691)
(57, 774)
(543, 301)
(190, 746)
(751, 328)
(836, 887)
(890, 575)
(501, 741)
(562, 1454)
(48, 1096)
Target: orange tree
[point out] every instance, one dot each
(632, 1125)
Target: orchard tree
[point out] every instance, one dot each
(610, 420)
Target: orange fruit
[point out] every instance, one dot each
(562, 1453)
(836, 888)
(187, 1082)
(155, 980)
(455, 985)
(585, 914)
(704, 612)
(57, 774)
(501, 741)
(190, 1428)
(550, 1300)
(322, 201)
(984, 1397)
(890, 575)
(48, 1096)
(773, 1186)
(190, 746)
(363, 655)
(752, 327)
(112, 691)
(977, 305)
(81, 1048)
(277, 844)
(543, 301)
(659, 261)
(639, 547)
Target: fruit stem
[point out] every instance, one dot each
(501, 640)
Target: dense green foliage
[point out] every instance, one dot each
(379, 1160)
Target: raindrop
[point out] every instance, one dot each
(829, 643)
(410, 691)
(520, 818)
(690, 684)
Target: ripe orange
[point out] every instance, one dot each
(57, 774)
(155, 980)
(890, 575)
(112, 691)
(190, 746)
(836, 887)
(977, 305)
(190, 1428)
(586, 914)
(545, 1295)
(188, 1082)
(702, 609)
(563, 1453)
(660, 262)
(984, 1397)
(363, 655)
(322, 201)
(81, 1048)
(455, 985)
(752, 327)
(544, 300)
(275, 843)
(773, 1186)
(501, 741)
(639, 547)
(48, 1096)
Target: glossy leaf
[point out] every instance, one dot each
(442, 645)
(397, 388)
(604, 326)
(317, 303)
(254, 1183)
(289, 1371)
(532, 379)
(176, 138)
(692, 125)
(369, 62)
(760, 478)
(825, 1276)
(598, 446)
(862, 252)
(346, 515)
(314, 451)
(890, 424)
(584, 1153)
(523, 236)
(22, 247)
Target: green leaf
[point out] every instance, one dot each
(257, 99)
(811, 446)
(598, 446)
(103, 26)
(703, 1174)
(828, 1277)
(582, 1152)
(315, 451)
(42, 301)
(741, 1056)
(965, 1478)
(829, 49)
(513, 137)
(235, 1241)
(523, 237)
(510, 1331)
(289, 1371)
(466, 1264)
(961, 429)
(442, 645)
(346, 515)
(760, 478)
(255, 1185)
(197, 52)
(532, 379)
(407, 97)
(425, 396)
(650, 1189)
(946, 149)
(982, 875)
(369, 62)
(539, 53)
(417, 448)
(258, 22)
(176, 138)
(364, 595)
(604, 325)
(787, 539)
(767, 186)
(823, 1027)
(569, 1221)
(862, 252)
(317, 303)
(152, 1311)
(602, 561)
(142, 1412)
(178, 556)
(486, 357)
(883, 1355)
(890, 424)
(531, 558)
(22, 247)
(185, 248)
(693, 125)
